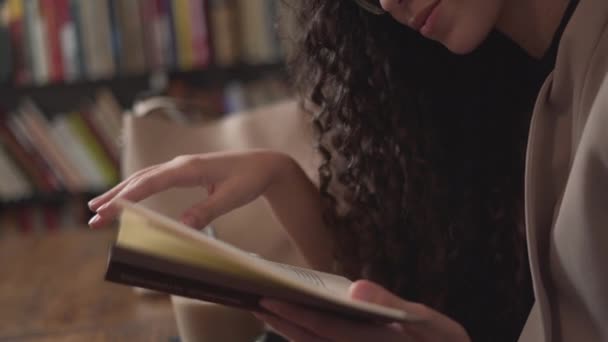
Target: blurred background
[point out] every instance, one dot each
(70, 71)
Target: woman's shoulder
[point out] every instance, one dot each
(582, 59)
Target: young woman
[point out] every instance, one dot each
(422, 113)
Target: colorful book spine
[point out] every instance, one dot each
(14, 13)
(149, 34)
(95, 149)
(29, 143)
(74, 149)
(224, 36)
(199, 33)
(50, 12)
(170, 37)
(68, 44)
(95, 23)
(38, 127)
(34, 169)
(79, 61)
(14, 186)
(183, 34)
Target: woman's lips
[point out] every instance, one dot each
(422, 16)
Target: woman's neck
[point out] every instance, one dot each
(532, 23)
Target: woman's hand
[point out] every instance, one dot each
(300, 324)
(231, 179)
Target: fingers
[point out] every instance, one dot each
(428, 324)
(288, 330)
(328, 326)
(144, 184)
(370, 292)
(98, 201)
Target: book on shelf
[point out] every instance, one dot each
(96, 35)
(224, 34)
(128, 36)
(37, 127)
(156, 252)
(51, 41)
(259, 38)
(32, 164)
(14, 186)
(77, 151)
(6, 58)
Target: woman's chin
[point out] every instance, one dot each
(460, 45)
(460, 49)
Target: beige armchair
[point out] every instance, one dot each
(151, 135)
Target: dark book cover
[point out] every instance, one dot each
(126, 266)
(75, 16)
(173, 55)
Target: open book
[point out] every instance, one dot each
(156, 252)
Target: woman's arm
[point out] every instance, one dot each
(232, 180)
(296, 202)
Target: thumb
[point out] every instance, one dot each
(220, 199)
(368, 291)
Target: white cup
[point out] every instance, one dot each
(199, 321)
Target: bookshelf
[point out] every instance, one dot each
(68, 68)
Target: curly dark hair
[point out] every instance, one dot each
(423, 156)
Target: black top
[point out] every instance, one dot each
(551, 55)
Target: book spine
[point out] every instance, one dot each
(50, 12)
(103, 42)
(108, 111)
(173, 56)
(37, 127)
(224, 39)
(18, 41)
(6, 54)
(97, 38)
(22, 157)
(183, 30)
(103, 161)
(37, 40)
(117, 32)
(67, 41)
(105, 141)
(13, 184)
(80, 59)
(126, 274)
(27, 41)
(147, 10)
(17, 128)
(75, 149)
(199, 33)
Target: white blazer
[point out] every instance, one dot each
(566, 189)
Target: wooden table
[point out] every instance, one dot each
(52, 289)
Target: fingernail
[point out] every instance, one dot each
(94, 220)
(363, 293)
(93, 202)
(189, 221)
(103, 207)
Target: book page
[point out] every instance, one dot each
(139, 234)
(146, 231)
(330, 282)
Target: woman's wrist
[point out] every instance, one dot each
(296, 203)
(284, 171)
